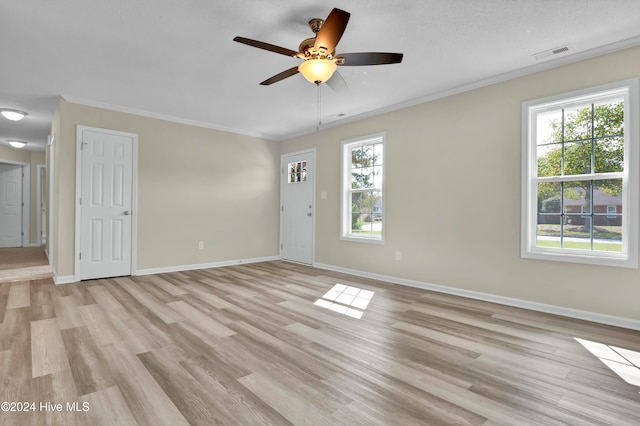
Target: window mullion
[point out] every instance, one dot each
(562, 140)
(593, 141)
(591, 216)
(563, 216)
(571, 178)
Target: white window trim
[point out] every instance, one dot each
(345, 178)
(629, 256)
(612, 215)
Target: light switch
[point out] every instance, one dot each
(323, 195)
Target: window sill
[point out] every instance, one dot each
(362, 239)
(620, 261)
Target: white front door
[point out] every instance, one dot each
(105, 203)
(297, 208)
(10, 205)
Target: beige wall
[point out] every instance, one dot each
(453, 195)
(194, 184)
(33, 158)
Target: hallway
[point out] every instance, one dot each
(24, 264)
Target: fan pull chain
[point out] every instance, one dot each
(319, 107)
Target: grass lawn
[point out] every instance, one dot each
(366, 231)
(580, 245)
(599, 232)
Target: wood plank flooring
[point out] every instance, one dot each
(246, 345)
(24, 263)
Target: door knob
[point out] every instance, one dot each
(127, 212)
(308, 214)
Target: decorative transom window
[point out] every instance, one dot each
(362, 205)
(580, 176)
(297, 172)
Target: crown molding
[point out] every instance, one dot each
(157, 116)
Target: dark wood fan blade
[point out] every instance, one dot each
(332, 30)
(337, 83)
(281, 76)
(266, 46)
(369, 58)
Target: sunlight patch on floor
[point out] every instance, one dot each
(624, 362)
(346, 300)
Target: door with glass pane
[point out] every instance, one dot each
(297, 207)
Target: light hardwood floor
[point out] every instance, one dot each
(24, 263)
(246, 345)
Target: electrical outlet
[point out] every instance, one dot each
(200, 245)
(398, 255)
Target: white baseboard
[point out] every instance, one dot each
(525, 304)
(72, 279)
(180, 268)
(68, 279)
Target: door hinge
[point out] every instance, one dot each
(80, 201)
(281, 246)
(281, 208)
(283, 170)
(80, 256)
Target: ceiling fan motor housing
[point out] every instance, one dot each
(306, 46)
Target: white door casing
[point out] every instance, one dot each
(297, 213)
(41, 213)
(10, 205)
(52, 199)
(105, 203)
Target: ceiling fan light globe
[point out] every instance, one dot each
(317, 70)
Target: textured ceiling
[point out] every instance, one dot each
(176, 59)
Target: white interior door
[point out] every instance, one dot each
(10, 205)
(106, 203)
(297, 207)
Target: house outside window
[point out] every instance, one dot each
(362, 202)
(580, 176)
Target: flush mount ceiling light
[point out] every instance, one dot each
(17, 144)
(13, 114)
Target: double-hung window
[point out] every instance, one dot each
(362, 208)
(580, 176)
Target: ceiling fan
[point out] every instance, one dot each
(318, 52)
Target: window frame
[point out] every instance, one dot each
(345, 188)
(628, 257)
